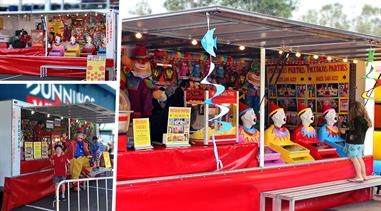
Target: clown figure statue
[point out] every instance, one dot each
(329, 132)
(247, 132)
(305, 135)
(277, 137)
(58, 49)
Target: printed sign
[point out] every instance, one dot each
(28, 150)
(44, 150)
(142, 137)
(57, 122)
(37, 150)
(96, 68)
(106, 158)
(50, 124)
(178, 126)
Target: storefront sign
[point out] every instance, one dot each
(106, 158)
(142, 137)
(37, 150)
(28, 150)
(44, 150)
(49, 124)
(311, 74)
(178, 127)
(96, 68)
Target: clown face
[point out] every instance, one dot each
(307, 118)
(141, 66)
(279, 118)
(58, 40)
(331, 117)
(89, 39)
(249, 118)
(72, 40)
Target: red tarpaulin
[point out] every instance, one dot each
(34, 165)
(22, 190)
(34, 51)
(195, 159)
(239, 191)
(30, 65)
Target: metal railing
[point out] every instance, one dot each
(86, 186)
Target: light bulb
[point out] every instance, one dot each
(138, 35)
(48, 115)
(241, 47)
(298, 54)
(316, 56)
(355, 61)
(194, 42)
(345, 60)
(280, 51)
(329, 58)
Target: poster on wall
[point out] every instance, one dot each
(57, 122)
(49, 124)
(142, 137)
(44, 150)
(37, 150)
(96, 68)
(28, 150)
(178, 127)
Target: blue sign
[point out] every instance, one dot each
(56, 94)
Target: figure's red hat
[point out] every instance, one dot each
(140, 52)
(274, 108)
(302, 108)
(326, 109)
(243, 108)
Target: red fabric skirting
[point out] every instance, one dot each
(34, 51)
(26, 189)
(30, 65)
(34, 165)
(195, 159)
(239, 191)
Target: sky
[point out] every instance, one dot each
(352, 8)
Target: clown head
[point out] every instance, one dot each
(278, 115)
(58, 40)
(89, 39)
(306, 115)
(72, 40)
(330, 115)
(247, 115)
(140, 63)
(253, 76)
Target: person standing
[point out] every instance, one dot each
(60, 162)
(77, 152)
(359, 122)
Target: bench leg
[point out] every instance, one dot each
(292, 205)
(263, 202)
(277, 204)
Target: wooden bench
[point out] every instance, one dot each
(44, 69)
(313, 191)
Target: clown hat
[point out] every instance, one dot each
(140, 52)
(326, 109)
(254, 68)
(243, 108)
(302, 108)
(274, 108)
(229, 59)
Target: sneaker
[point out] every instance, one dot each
(62, 198)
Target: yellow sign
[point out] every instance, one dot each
(311, 74)
(37, 150)
(106, 158)
(96, 68)
(44, 150)
(142, 137)
(178, 126)
(28, 150)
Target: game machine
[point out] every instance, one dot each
(329, 132)
(377, 131)
(277, 137)
(206, 112)
(306, 136)
(249, 134)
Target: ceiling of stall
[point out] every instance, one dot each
(235, 27)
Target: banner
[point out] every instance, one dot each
(28, 150)
(178, 126)
(96, 68)
(44, 150)
(311, 74)
(106, 158)
(142, 137)
(37, 150)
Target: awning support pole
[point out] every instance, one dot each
(262, 109)
(68, 128)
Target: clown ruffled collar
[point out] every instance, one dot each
(140, 75)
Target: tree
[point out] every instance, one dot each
(142, 8)
(281, 8)
(330, 15)
(369, 22)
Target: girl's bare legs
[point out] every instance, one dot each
(357, 166)
(363, 168)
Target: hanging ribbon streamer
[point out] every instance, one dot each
(370, 67)
(209, 44)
